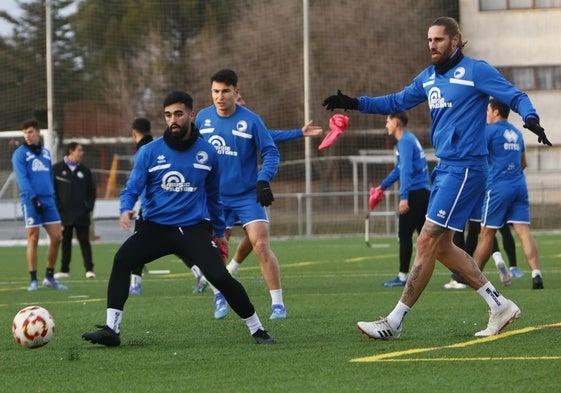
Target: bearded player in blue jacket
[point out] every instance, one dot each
(457, 89)
(179, 176)
(241, 139)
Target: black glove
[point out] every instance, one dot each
(340, 101)
(264, 194)
(533, 125)
(39, 208)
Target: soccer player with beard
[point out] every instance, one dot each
(457, 89)
(182, 210)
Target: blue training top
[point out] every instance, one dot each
(506, 145)
(181, 188)
(238, 139)
(33, 173)
(457, 102)
(411, 167)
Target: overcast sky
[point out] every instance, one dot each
(13, 9)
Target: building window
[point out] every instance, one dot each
(493, 5)
(534, 78)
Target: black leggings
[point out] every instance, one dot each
(194, 244)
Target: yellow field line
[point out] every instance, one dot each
(391, 357)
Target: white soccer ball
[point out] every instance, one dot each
(33, 327)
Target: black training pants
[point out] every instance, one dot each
(193, 244)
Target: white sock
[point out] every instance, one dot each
(114, 318)
(395, 318)
(196, 271)
(536, 272)
(136, 280)
(214, 290)
(233, 266)
(498, 258)
(494, 299)
(402, 276)
(276, 296)
(253, 323)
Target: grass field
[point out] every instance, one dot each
(171, 342)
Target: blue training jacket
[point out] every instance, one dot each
(411, 167)
(239, 139)
(457, 102)
(506, 145)
(33, 173)
(181, 188)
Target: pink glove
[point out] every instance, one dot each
(376, 195)
(337, 125)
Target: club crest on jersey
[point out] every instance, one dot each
(175, 182)
(201, 157)
(436, 101)
(241, 130)
(459, 73)
(220, 145)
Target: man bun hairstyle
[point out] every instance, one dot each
(451, 27)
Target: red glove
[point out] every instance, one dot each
(337, 125)
(223, 247)
(224, 252)
(376, 195)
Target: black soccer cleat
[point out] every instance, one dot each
(105, 336)
(262, 337)
(537, 282)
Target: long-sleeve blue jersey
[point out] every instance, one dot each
(457, 102)
(411, 167)
(286, 135)
(506, 145)
(181, 187)
(238, 140)
(33, 173)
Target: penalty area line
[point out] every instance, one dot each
(392, 356)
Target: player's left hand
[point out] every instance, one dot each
(264, 194)
(340, 101)
(533, 124)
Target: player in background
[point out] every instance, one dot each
(33, 169)
(179, 176)
(469, 243)
(141, 132)
(241, 140)
(412, 171)
(457, 89)
(506, 196)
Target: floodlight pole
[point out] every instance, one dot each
(49, 137)
(307, 143)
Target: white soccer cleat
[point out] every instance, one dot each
(497, 322)
(379, 330)
(453, 284)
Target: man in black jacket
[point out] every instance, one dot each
(75, 198)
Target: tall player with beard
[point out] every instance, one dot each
(182, 209)
(457, 89)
